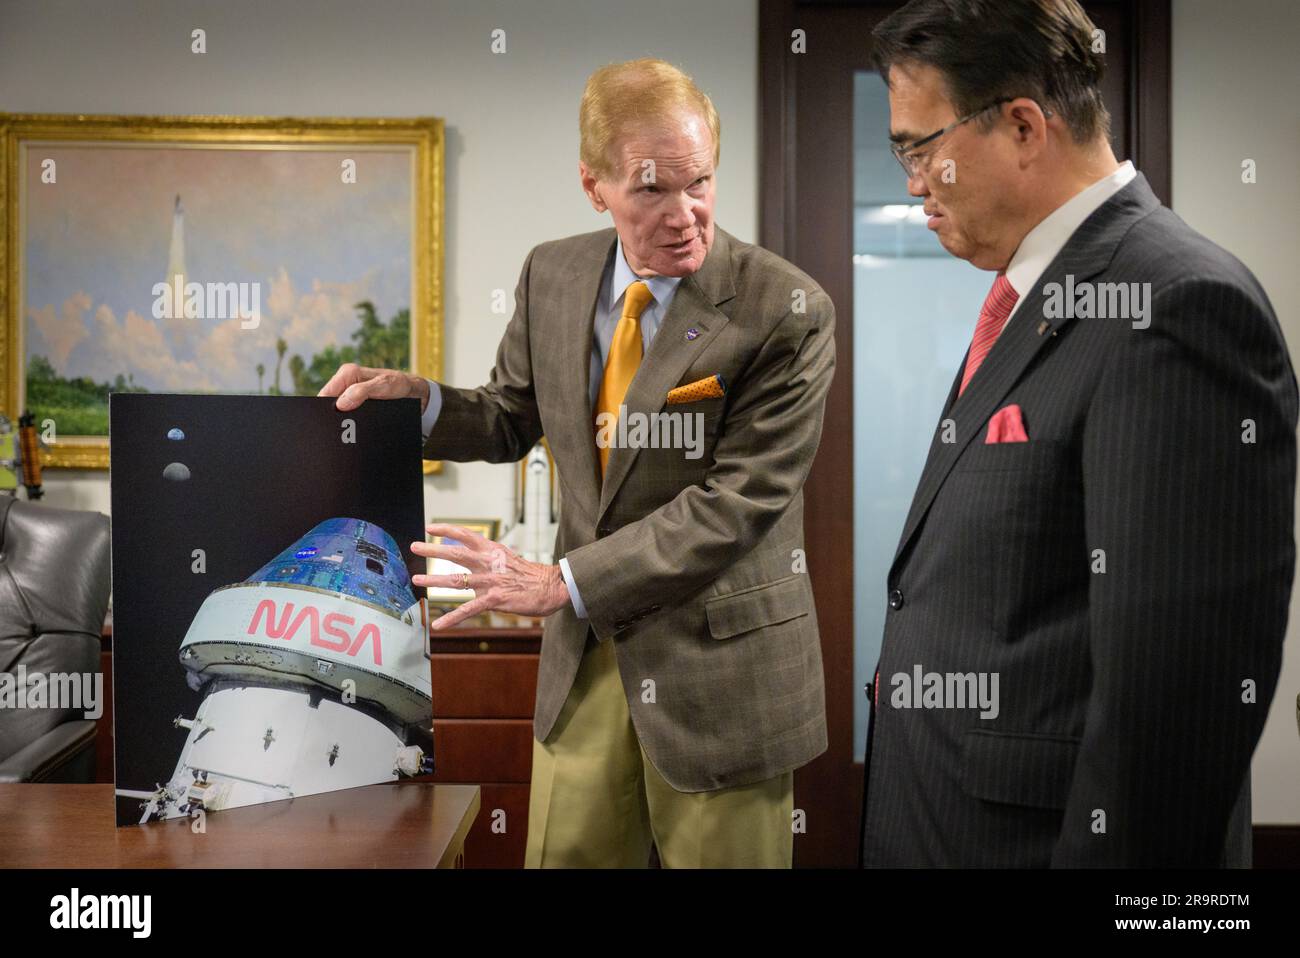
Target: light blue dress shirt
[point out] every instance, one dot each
(609, 310)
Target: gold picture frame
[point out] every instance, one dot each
(444, 597)
(424, 136)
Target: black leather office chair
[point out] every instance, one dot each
(54, 585)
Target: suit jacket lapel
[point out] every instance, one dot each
(573, 437)
(956, 384)
(1086, 254)
(694, 306)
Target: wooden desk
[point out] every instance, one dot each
(390, 825)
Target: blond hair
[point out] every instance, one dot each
(637, 91)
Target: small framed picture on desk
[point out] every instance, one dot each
(448, 597)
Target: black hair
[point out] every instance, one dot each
(988, 50)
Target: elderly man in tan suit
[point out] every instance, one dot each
(679, 376)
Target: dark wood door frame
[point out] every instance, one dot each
(806, 190)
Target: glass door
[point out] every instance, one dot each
(914, 311)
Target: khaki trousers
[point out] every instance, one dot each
(597, 801)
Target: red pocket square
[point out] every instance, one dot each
(1006, 426)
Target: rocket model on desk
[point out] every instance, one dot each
(315, 676)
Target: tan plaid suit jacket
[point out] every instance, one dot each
(693, 567)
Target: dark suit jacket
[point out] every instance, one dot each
(1124, 733)
(688, 565)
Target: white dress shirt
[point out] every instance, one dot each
(1044, 241)
(609, 310)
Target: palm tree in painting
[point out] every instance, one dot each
(280, 347)
(298, 373)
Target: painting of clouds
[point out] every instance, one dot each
(158, 268)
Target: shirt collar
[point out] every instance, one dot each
(1044, 241)
(661, 287)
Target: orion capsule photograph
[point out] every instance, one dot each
(314, 674)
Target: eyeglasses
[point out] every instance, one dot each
(901, 151)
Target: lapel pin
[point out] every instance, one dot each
(692, 333)
(1043, 326)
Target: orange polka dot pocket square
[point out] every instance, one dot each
(710, 387)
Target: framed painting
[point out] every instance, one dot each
(205, 254)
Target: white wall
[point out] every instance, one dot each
(1235, 76)
(511, 121)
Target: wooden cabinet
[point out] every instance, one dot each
(484, 690)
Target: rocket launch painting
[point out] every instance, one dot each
(214, 255)
(120, 227)
(267, 640)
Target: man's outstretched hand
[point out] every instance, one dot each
(354, 384)
(501, 580)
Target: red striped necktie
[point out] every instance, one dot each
(993, 316)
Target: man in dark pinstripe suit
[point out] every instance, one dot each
(1089, 598)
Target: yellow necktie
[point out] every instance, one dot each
(623, 359)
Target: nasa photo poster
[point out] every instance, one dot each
(267, 640)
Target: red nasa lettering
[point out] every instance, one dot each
(285, 630)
